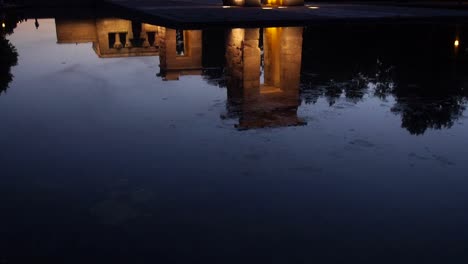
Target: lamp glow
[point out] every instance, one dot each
(456, 43)
(3, 25)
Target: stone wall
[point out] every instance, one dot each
(75, 30)
(97, 31)
(170, 61)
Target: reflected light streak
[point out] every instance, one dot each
(313, 7)
(267, 7)
(226, 7)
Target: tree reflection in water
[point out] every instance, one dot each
(8, 53)
(417, 65)
(9, 57)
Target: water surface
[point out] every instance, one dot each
(281, 145)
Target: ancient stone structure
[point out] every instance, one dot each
(252, 3)
(273, 101)
(111, 37)
(180, 53)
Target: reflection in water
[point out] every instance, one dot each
(275, 101)
(9, 58)
(8, 53)
(111, 37)
(181, 53)
(268, 71)
(418, 66)
(115, 162)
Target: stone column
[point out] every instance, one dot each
(243, 64)
(128, 43)
(251, 59)
(271, 56)
(291, 57)
(118, 43)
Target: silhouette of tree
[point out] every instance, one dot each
(9, 57)
(415, 64)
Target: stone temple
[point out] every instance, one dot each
(263, 2)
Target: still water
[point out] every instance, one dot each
(123, 142)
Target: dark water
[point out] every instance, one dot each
(318, 144)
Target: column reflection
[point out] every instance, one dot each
(273, 101)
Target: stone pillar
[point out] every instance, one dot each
(274, 103)
(291, 57)
(282, 49)
(251, 59)
(243, 64)
(128, 43)
(271, 56)
(144, 36)
(118, 43)
(234, 63)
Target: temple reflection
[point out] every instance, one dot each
(268, 72)
(111, 37)
(180, 53)
(272, 99)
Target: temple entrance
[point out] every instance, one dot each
(270, 99)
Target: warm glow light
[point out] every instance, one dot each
(456, 43)
(313, 7)
(226, 7)
(3, 25)
(282, 7)
(267, 7)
